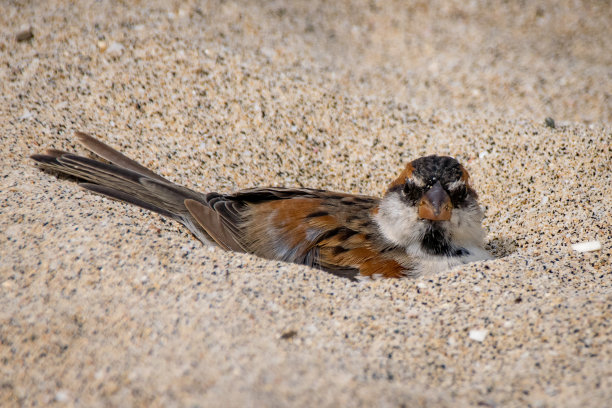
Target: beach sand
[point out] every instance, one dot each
(104, 304)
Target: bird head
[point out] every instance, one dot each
(431, 207)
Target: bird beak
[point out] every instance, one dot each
(435, 205)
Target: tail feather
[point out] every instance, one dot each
(128, 198)
(161, 194)
(126, 180)
(96, 171)
(106, 152)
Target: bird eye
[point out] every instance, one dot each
(409, 186)
(412, 191)
(458, 194)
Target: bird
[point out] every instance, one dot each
(428, 220)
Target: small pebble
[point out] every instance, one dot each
(26, 115)
(61, 396)
(115, 49)
(478, 335)
(25, 34)
(550, 122)
(588, 246)
(288, 334)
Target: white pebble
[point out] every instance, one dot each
(26, 115)
(115, 49)
(61, 396)
(587, 246)
(478, 335)
(267, 52)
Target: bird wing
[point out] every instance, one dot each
(331, 231)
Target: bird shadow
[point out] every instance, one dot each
(501, 247)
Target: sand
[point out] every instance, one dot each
(104, 304)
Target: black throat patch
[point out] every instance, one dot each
(436, 241)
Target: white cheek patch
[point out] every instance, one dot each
(465, 226)
(398, 222)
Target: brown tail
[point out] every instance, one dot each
(126, 180)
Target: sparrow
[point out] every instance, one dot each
(428, 220)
